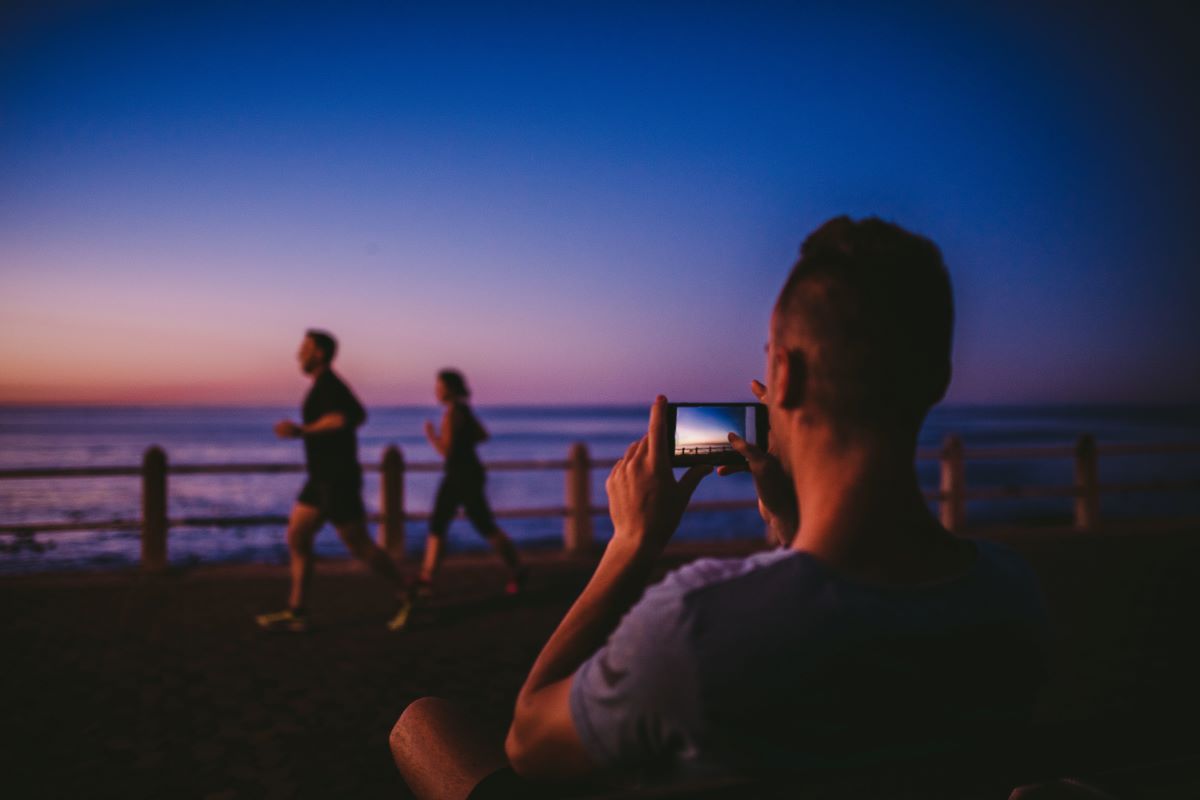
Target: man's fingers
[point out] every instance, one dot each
(754, 457)
(760, 390)
(731, 469)
(615, 473)
(691, 479)
(631, 450)
(657, 434)
(643, 448)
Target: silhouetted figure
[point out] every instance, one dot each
(462, 484)
(331, 416)
(871, 634)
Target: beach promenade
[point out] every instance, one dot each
(133, 685)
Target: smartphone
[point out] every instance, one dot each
(700, 431)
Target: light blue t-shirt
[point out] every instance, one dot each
(776, 662)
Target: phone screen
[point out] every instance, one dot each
(701, 431)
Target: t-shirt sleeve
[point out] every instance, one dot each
(342, 400)
(634, 701)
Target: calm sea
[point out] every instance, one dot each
(80, 436)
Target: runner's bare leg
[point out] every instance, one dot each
(505, 548)
(434, 548)
(303, 525)
(354, 535)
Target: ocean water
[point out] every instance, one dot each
(84, 436)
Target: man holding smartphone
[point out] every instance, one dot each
(871, 631)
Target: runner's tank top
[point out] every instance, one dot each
(465, 433)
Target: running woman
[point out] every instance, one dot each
(462, 484)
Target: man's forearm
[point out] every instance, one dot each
(543, 742)
(327, 423)
(617, 583)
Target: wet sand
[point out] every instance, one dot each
(127, 685)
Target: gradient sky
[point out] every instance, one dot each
(582, 202)
(708, 424)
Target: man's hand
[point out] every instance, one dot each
(776, 492)
(286, 429)
(430, 431)
(644, 499)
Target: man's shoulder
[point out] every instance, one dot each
(324, 381)
(713, 594)
(637, 695)
(721, 582)
(330, 384)
(331, 378)
(1001, 556)
(708, 572)
(1004, 574)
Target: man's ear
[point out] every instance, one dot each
(790, 378)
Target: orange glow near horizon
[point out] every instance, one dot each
(576, 213)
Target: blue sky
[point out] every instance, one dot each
(708, 424)
(582, 202)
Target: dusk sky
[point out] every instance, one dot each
(708, 424)
(582, 202)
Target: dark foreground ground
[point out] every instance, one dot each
(161, 686)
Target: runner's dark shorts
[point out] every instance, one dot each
(338, 501)
(464, 490)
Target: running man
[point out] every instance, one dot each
(333, 492)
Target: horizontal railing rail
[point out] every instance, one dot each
(578, 510)
(702, 449)
(264, 468)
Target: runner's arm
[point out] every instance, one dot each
(326, 423)
(441, 439)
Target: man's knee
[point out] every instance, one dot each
(440, 751)
(303, 524)
(417, 723)
(422, 747)
(299, 540)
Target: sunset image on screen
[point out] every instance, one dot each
(705, 429)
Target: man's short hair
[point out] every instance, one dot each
(324, 341)
(873, 307)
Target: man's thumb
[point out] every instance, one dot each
(751, 453)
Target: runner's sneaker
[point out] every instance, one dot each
(286, 620)
(399, 620)
(423, 590)
(517, 582)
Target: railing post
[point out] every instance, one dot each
(577, 533)
(391, 501)
(1087, 484)
(954, 485)
(154, 509)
